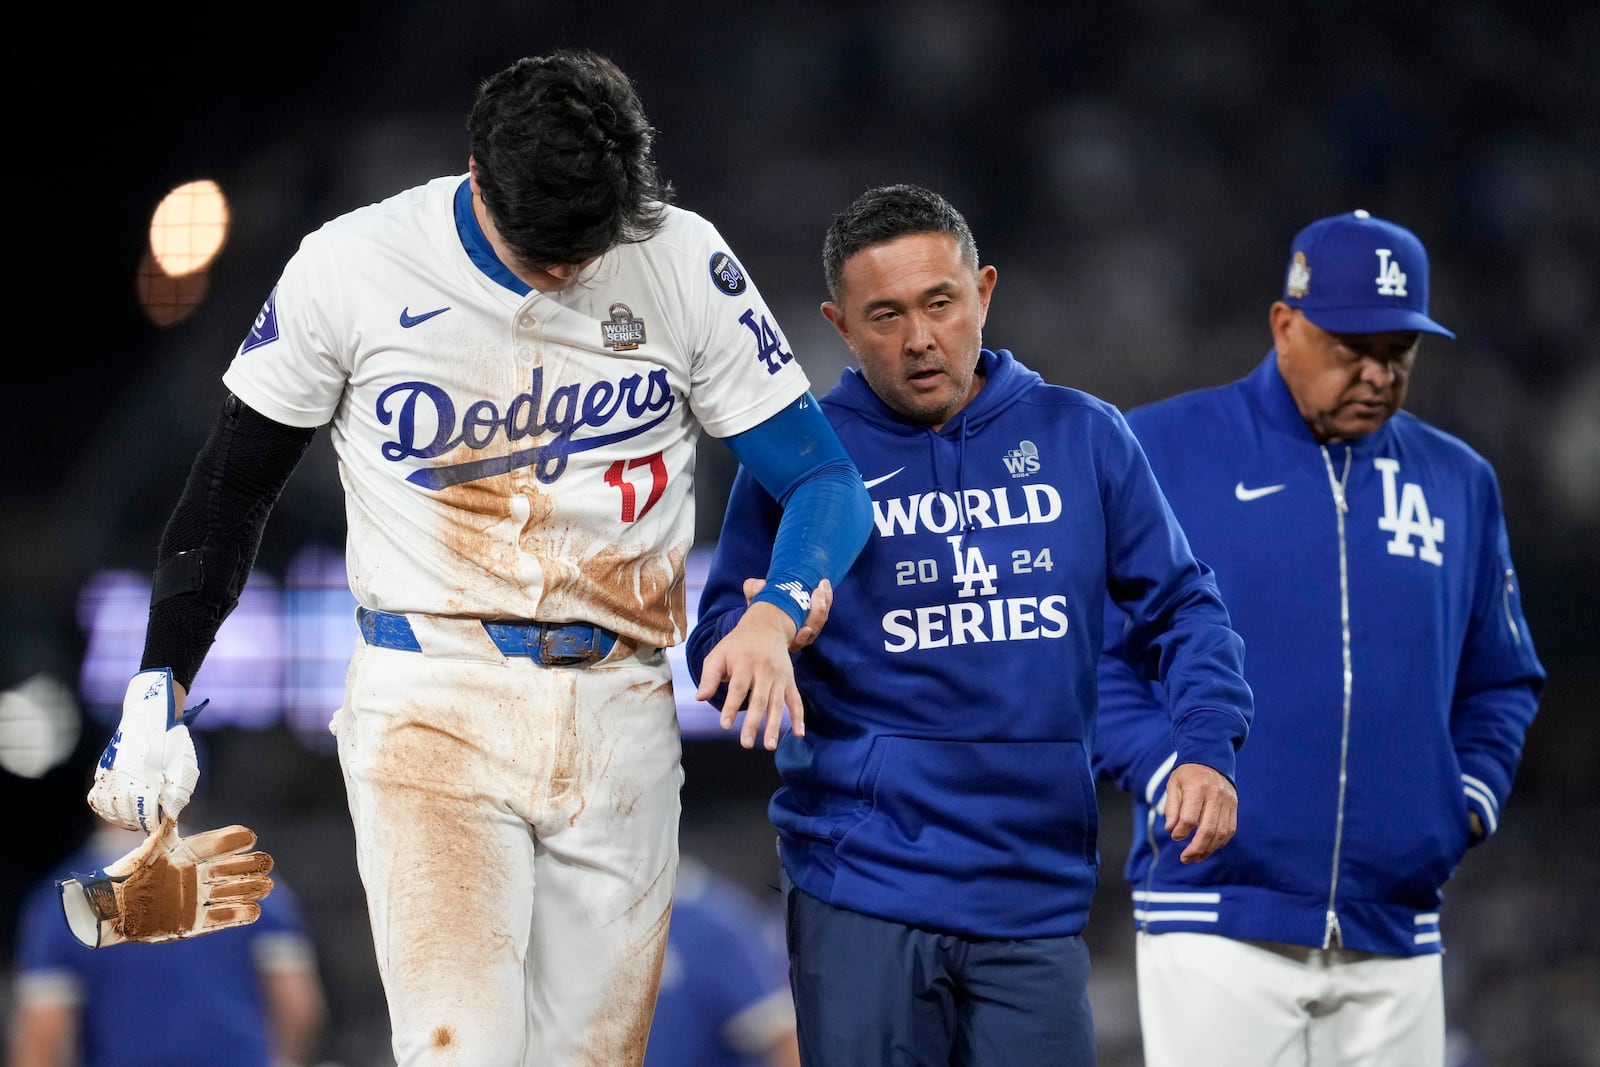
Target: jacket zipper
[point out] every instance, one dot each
(1155, 855)
(1331, 936)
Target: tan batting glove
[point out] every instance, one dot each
(170, 887)
(148, 770)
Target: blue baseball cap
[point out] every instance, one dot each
(1355, 273)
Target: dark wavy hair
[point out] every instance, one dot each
(884, 213)
(562, 148)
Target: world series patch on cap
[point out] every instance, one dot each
(1355, 273)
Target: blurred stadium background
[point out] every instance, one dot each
(1134, 170)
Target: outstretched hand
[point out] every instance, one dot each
(753, 659)
(1202, 807)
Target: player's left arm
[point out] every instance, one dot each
(827, 516)
(208, 547)
(207, 551)
(1498, 681)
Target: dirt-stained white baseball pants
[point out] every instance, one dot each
(516, 832)
(1209, 1001)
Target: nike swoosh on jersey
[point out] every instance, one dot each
(880, 481)
(1255, 494)
(408, 320)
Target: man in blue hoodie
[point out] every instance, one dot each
(937, 820)
(1364, 558)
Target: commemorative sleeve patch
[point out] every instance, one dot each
(266, 325)
(727, 274)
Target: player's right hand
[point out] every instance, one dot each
(149, 768)
(753, 659)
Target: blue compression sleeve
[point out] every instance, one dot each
(827, 514)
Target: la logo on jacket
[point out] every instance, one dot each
(1406, 515)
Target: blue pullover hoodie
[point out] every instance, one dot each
(944, 780)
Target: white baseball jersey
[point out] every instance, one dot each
(506, 456)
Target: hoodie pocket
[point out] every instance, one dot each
(1019, 808)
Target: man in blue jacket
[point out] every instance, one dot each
(1364, 559)
(937, 820)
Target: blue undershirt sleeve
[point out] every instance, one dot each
(827, 514)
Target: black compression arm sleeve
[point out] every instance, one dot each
(210, 542)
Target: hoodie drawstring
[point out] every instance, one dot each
(968, 523)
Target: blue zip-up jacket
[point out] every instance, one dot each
(1393, 673)
(944, 780)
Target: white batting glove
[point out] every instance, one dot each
(149, 768)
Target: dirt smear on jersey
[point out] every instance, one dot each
(478, 522)
(649, 592)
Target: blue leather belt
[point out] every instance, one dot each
(552, 644)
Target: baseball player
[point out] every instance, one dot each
(515, 365)
(937, 820)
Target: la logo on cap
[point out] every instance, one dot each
(1391, 279)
